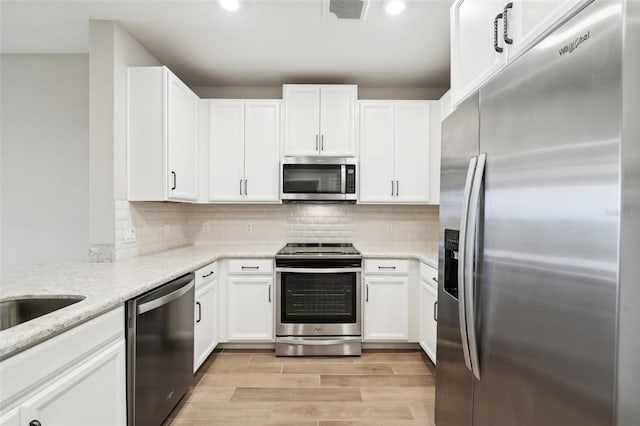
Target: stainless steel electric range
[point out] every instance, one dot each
(318, 304)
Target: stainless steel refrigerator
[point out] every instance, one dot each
(539, 298)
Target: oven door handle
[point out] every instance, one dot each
(319, 270)
(313, 342)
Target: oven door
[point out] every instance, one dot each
(318, 302)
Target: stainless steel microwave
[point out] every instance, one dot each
(319, 179)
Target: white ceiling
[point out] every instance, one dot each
(266, 43)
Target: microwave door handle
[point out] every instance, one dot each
(470, 247)
(343, 179)
(461, 262)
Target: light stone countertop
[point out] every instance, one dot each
(106, 286)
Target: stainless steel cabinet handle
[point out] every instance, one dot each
(397, 188)
(392, 189)
(367, 288)
(321, 142)
(35, 423)
(462, 320)
(386, 267)
(435, 311)
(435, 279)
(199, 306)
(207, 275)
(245, 187)
(495, 33)
(505, 15)
(269, 293)
(240, 186)
(251, 267)
(175, 181)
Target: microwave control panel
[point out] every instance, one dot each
(351, 179)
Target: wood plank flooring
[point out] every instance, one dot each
(385, 388)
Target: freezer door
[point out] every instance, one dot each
(547, 281)
(454, 381)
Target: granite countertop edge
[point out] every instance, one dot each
(107, 286)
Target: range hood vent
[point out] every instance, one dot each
(354, 10)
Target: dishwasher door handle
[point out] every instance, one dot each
(163, 300)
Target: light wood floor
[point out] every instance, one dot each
(257, 388)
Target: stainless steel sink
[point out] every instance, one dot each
(17, 311)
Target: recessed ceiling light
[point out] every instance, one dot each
(230, 5)
(395, 7)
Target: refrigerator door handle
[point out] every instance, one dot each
(470, 261)
(462, 319)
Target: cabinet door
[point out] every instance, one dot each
(386, 303)
(226, 151)
(262, 151)
(301, 119)
(473, 57)
(182, 140)
(377, 152)
(529, 19)
(250, 308)
(12, 418)
(412, 132)
(428, 325)
(94, 393)
(205, 330)
(338, 120)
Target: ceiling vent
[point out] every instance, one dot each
(353, 10)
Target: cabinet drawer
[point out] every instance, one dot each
(31, 368)
(251, 266)
(206, 274)
(386, 266)
(429, 275)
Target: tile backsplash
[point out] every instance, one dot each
(371, 225)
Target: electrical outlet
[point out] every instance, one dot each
(389, 228)
(206, 227)
(248, 227)
(128, 232)
(166, 231)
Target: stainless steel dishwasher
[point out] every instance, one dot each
(159, 351)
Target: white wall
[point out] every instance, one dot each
(113, 50)
(45, 158)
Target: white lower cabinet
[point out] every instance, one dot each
(205, 332)
(90, 394)
(428, 310)
(50, 384)
(251, 303)
(386, 301)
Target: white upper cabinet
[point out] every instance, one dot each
(412, 138)
(226, 150)
(477, 48)
(162, 137)
(395, 145)
(262, 151)
(377, 150)
(338, 120)
(320, 120)
(244, 151)
(302, 119)
(487, 34)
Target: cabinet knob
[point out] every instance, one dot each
(35, 423)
